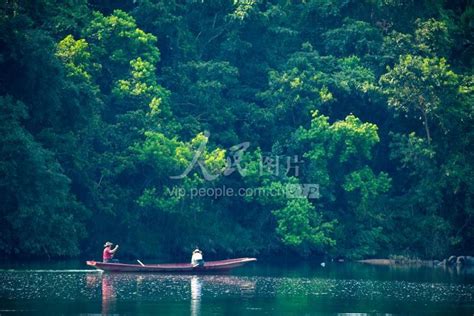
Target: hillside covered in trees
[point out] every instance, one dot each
(105, 104)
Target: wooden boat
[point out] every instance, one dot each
(209, 266)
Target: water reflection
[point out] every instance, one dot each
(373, 290)
(196, 285)
(109, 295)
(151, 287)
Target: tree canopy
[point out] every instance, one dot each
(132, 121)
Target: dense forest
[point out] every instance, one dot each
(113, 113)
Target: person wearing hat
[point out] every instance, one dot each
(108, 254)
(196, 259)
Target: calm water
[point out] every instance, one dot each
(260, 288)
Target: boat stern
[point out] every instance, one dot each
(91, 263)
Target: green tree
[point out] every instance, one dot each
(39, 215)
(300, 226)
(421, 87)
(338, 155)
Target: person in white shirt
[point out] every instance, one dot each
(196, 259)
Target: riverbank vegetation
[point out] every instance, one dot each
(102, 102)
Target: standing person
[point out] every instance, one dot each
(196, 259)
(108, 254)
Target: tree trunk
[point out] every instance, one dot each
(427, 129)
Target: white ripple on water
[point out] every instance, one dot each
(69, 285)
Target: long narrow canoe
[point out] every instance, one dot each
(209, 266)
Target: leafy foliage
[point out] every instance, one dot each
(104, 105)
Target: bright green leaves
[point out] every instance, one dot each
(114, 64)
(301, 227)
(117, 39)
(311, 82)
(337, 157)
(76, 56)
(352, 138)
(334, 150)
(97, 120)
(243, 8)
(431, 38)
(421, 87)
(142, 81)
(125, 59)
(188, 164)
(403, 82)
(167, 155)
(128, 57)
(347, 140)
(171, 157)
(368, 185)
(142, 87)
(347, 144)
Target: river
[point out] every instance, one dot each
(258, 289)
